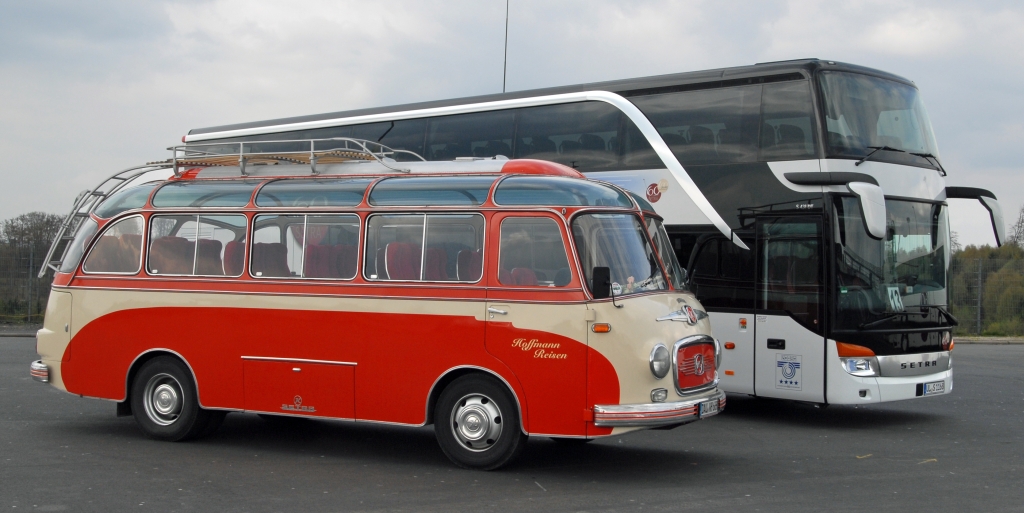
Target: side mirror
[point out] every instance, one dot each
(601, 282)
(988, 200)
(872, 204)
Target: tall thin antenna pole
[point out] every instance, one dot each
(504, 70)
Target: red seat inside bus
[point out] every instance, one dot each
(234, 258)
(208, 260)
(436, 265)
(270, 259)
(469, 265)
(402, 261)
(323, 261)
(171, 255)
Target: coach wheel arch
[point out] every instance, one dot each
(452, 374)
(124, 407)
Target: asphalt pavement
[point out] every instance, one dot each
(958, 452)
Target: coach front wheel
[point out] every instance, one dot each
(477, 423)
(165, 404)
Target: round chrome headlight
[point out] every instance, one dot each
(660, 361)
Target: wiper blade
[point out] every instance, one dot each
(883, 320)
(945, 314)
(876, 149)
(932, 158)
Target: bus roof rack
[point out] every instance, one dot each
(335, 150)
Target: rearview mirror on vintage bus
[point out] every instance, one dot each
(602, 282)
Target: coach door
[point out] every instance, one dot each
(789, 348)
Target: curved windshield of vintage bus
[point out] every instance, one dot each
(663, 244)
(865, 114)
(877, 279)
(619, 242)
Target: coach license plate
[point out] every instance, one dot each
(936, 387)
(708, 408)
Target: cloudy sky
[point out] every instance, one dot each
(87, 88)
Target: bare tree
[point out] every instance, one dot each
(1015, 235)
(34, 227)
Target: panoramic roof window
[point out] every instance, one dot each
(222, 193)
(125, 199)
(344, 192)
(433, 191)
(550, 190)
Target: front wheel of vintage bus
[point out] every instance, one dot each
(477, 423)
(165, 403)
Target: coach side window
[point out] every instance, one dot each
(787, 121)
(118, 250)
(305, 246)
(196, 245)
(532, 253)
(418, 247)
(580, 135)
(482, 135)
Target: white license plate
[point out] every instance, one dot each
(708, 408)
(936, 387)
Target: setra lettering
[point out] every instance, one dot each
(919, 365)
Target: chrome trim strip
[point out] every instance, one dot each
(297, 360)
(653, 414)
(687, 341)
(912, 364)
(631, 111)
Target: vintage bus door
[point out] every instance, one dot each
(789, 348)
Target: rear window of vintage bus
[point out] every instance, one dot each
(345, 192)
(221, 193)
(551, 190)
(432, 191)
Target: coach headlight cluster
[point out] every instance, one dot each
(660, 361)
(857, 360)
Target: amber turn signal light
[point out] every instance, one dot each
(847, 350)
(730, 345)
(601, 327)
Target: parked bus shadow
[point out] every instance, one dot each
(777, 411)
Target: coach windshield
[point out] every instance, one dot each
(619, 242)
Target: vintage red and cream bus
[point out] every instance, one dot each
(495, 299)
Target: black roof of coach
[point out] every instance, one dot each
(706, 79)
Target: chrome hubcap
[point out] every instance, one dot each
(476, 422)
(162, 399)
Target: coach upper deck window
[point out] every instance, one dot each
(219, 193)
(547, 190)
(431, 191)
(395, 247)
(118, 250)
(305, 246)
(342, 192)
(196, 245)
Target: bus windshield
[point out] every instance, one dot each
(619, 242)
(879, 278)
(864, 113)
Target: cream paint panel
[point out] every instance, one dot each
(53, 339)
(566, 320)
(634, 334)
(90, 304)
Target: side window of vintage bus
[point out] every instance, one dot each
(483, 134)
(118, 250)
(583, 135)
(305, 246)
(787, 121)
(395, 242)
(196, 245)
(532, 253)
(710, 126)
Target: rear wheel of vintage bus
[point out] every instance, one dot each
(165, 403)
(477, 423)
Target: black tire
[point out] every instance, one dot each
(165, 404)
(485, 410)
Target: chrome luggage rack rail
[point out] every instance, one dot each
(335, 150)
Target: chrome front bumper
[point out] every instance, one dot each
(654, 414)
(40, 372)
